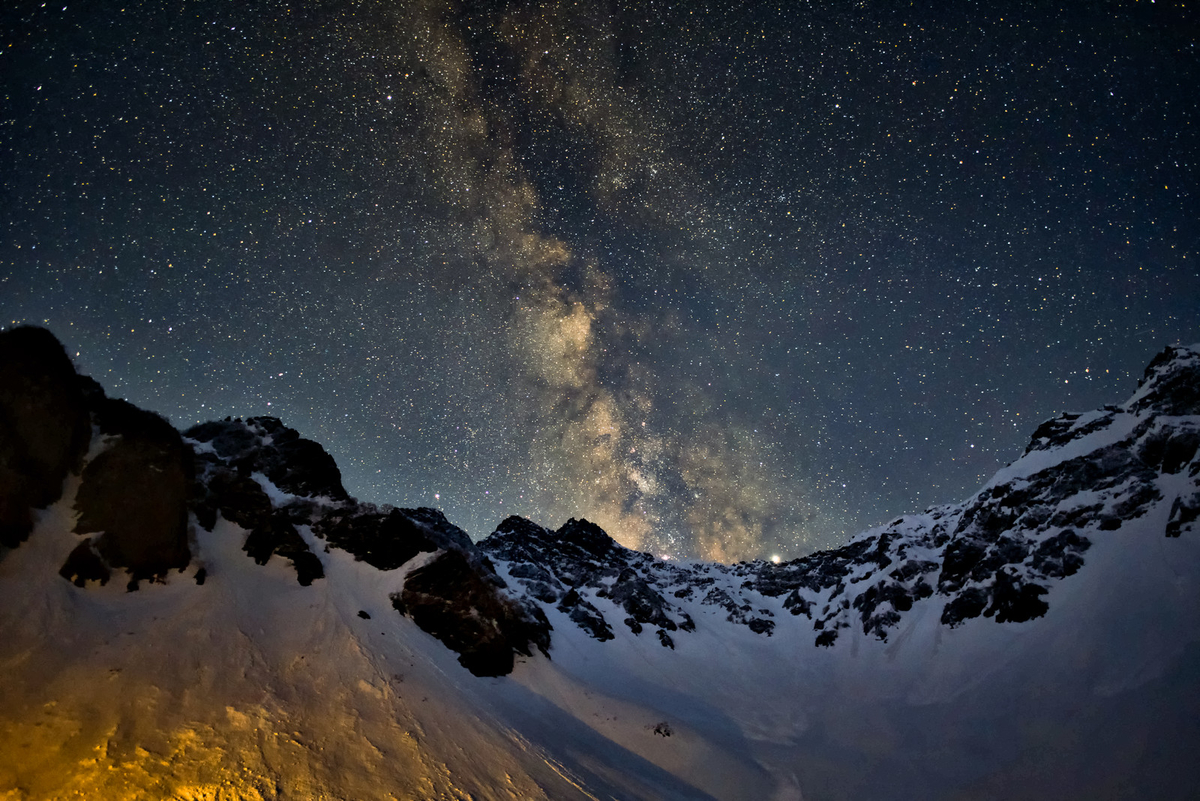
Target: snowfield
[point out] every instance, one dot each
(249, 685)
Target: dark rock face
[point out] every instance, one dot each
(1171, 384)
(579, 564)
(44, 426)
(224, 485)
(85, 564)
(584, 615)
(643, 603)
(277, 535)
(135, 493)
(265, 445)
(452, 599)
(382, 539)
(1184, 512)
(240, 499)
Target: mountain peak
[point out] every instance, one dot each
(1171, 383)
(1045, 578)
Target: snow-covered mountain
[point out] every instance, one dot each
(1039, 640)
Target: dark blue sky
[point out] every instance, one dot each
(728, 279)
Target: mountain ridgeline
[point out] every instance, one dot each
(144, 489)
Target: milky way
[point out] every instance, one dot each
(730, 280)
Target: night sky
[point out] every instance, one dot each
(729, 279)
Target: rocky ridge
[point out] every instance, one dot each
(996, 555)
(143, 487)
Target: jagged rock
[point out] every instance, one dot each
(1062, 429)
(552, 566)
(1015, 600)
(959, 560)
(585, 615)
(897, 598)
(1171, 383)
(643, 603)
(44, 426)
(824, 569)
(587, 537)
(264, 444)
(135, 493)
(967, 604)
(997, 555)
(1184, 512)
(911, 569)
(797, 604)
(383, 539)
(84, 564)
(1169, 448)
(239, 498)
(277, 535)
(450, 599)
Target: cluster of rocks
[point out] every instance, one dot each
(571, 567)
(45, 427)
(455, 595)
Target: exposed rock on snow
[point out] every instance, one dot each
(265, 445)
(995, 555)
(457, 596)
(1014, 624)
(225, 486)
(134, 494)
(457, 602)
(44, 426)
(579, 563)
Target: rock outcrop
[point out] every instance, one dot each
(44, 426)
(997, 555)
(229, 453)
(456, 595)
(133, 498)
(462, 605)
(265, 445)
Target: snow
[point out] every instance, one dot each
(251, 686)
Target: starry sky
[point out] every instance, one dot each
(731, 279)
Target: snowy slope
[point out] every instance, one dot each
(252, 686)
(1038, 640)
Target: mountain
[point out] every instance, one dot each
(208, 614)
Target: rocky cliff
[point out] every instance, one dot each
(997, 555)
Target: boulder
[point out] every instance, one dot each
(454, 600)
(134, 495)
(44, 426)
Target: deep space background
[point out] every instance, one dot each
(731, 279)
